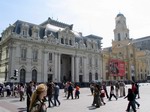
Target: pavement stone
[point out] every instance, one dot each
(83, 104)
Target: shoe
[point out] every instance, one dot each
(97, 106)
(138, 105)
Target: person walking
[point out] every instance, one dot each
(92, 88)
(37, 99)
(131, 99)
(70, 90)
(29, 91)
(96, 100)
(21, 92)
(112, 92)
(102, 95)
(50, 91)
(134, 90)
(105, 89)
(117, 89)
(137, 86)
(56, 94)
(77, 92)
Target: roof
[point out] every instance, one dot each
(56, 23)
(119, 15)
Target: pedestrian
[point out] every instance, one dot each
(96, 100)
(37, 100)
(21, 92)
(56, 94)
(117, 89)
(102, 95)
(8, 90)
(70, 90)
(137, 86)
(50, 91)
(131, 99)
(105, 89)
(134, 90)
(66, 85)
(77, 92)
(29, 92)
(92, 88)
(121, 85)
(112, 92)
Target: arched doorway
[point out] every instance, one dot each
(90, 77)
(22, 76)
(34, 75)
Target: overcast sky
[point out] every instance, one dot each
(88, 16)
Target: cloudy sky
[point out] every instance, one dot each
(88, 16)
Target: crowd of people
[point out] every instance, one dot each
(117, 90)
(38, 94)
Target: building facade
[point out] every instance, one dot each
(134, 62)
(51, 51)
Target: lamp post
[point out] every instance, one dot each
(14, 78)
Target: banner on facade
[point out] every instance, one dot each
(117, 67)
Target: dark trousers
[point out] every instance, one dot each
(50, 100)
(132, 104)
(56, 100)
(21, 95)
(28, 104)
(113, 96)
(70, 93)
(106, 93)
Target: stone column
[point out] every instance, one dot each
(77, 69)
(55, 75)
(84, 72)
(59, 68)
(11, 67)
(72, 67)
(45, 78)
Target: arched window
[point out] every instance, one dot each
(119, 37)
(22, 75)
(62, 40)
(96, 76)
(90, 77)
(34, 75)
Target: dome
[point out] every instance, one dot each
(120, 15)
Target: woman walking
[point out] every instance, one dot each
(37, 104)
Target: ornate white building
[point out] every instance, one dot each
(49, 51)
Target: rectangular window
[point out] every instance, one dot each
(80, 61)
(35, 55)
(23, 53)
(24, 32)
(50, 57)
(90, 62)
(96, 62)
(36, 34)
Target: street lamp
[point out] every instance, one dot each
(14, 78)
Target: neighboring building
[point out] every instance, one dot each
(49, 51)
(124, 55)
(142, 43)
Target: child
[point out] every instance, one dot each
(77, 92)
(102, 95)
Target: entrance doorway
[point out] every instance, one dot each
(66, 68)
(50, 77)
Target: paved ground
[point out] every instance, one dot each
(84, 103)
